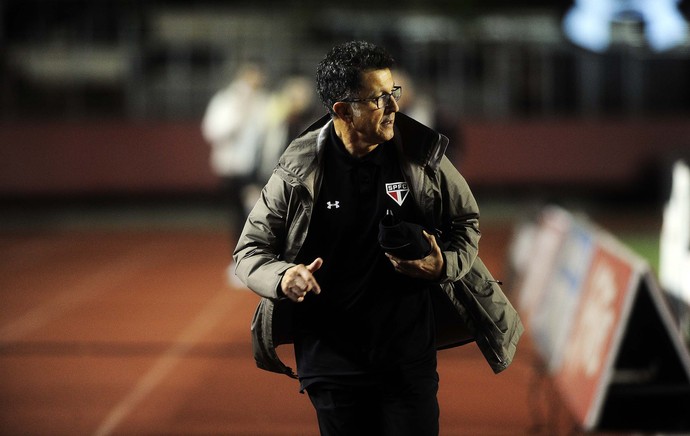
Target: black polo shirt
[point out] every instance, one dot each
(368, 320)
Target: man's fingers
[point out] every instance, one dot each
(309, 282)
(315, 265)
(432, 240)
(312, 268)
(299, 280)
(426, 268)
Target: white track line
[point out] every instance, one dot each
(214, 311)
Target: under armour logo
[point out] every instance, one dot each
(335, 204)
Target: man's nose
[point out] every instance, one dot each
(392, 105)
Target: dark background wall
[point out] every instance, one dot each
(166, 157)
(106, 97)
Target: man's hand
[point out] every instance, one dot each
(299, 280)
(429, 268)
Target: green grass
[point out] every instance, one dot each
(644, 244)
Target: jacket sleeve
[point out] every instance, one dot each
(258, 254)
(459, 222)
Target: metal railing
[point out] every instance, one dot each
(165, 63)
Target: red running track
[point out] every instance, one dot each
(134, 331)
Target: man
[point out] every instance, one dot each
(366, 324)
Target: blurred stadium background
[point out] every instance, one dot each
(100, 112)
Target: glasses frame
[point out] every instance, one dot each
(384, 98)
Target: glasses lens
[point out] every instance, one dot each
(385, 99)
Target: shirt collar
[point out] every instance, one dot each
(374, 157)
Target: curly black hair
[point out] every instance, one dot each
(339, 74)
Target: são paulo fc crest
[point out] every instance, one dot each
(397, 191)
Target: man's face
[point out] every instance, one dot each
(374, 125)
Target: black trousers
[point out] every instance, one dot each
(402, 407)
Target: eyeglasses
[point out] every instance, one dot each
(382, 100)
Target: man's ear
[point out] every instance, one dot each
(343, 110)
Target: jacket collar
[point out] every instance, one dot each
(419, 143)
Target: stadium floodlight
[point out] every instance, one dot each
(588, 22)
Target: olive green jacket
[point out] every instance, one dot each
(469, 304)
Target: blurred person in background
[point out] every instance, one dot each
(234, 125)
(418, 104)
(289, 111)
(364, 321)
(415, 102)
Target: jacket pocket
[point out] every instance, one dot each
(264, 342)
(453, 327)
(496, 322)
